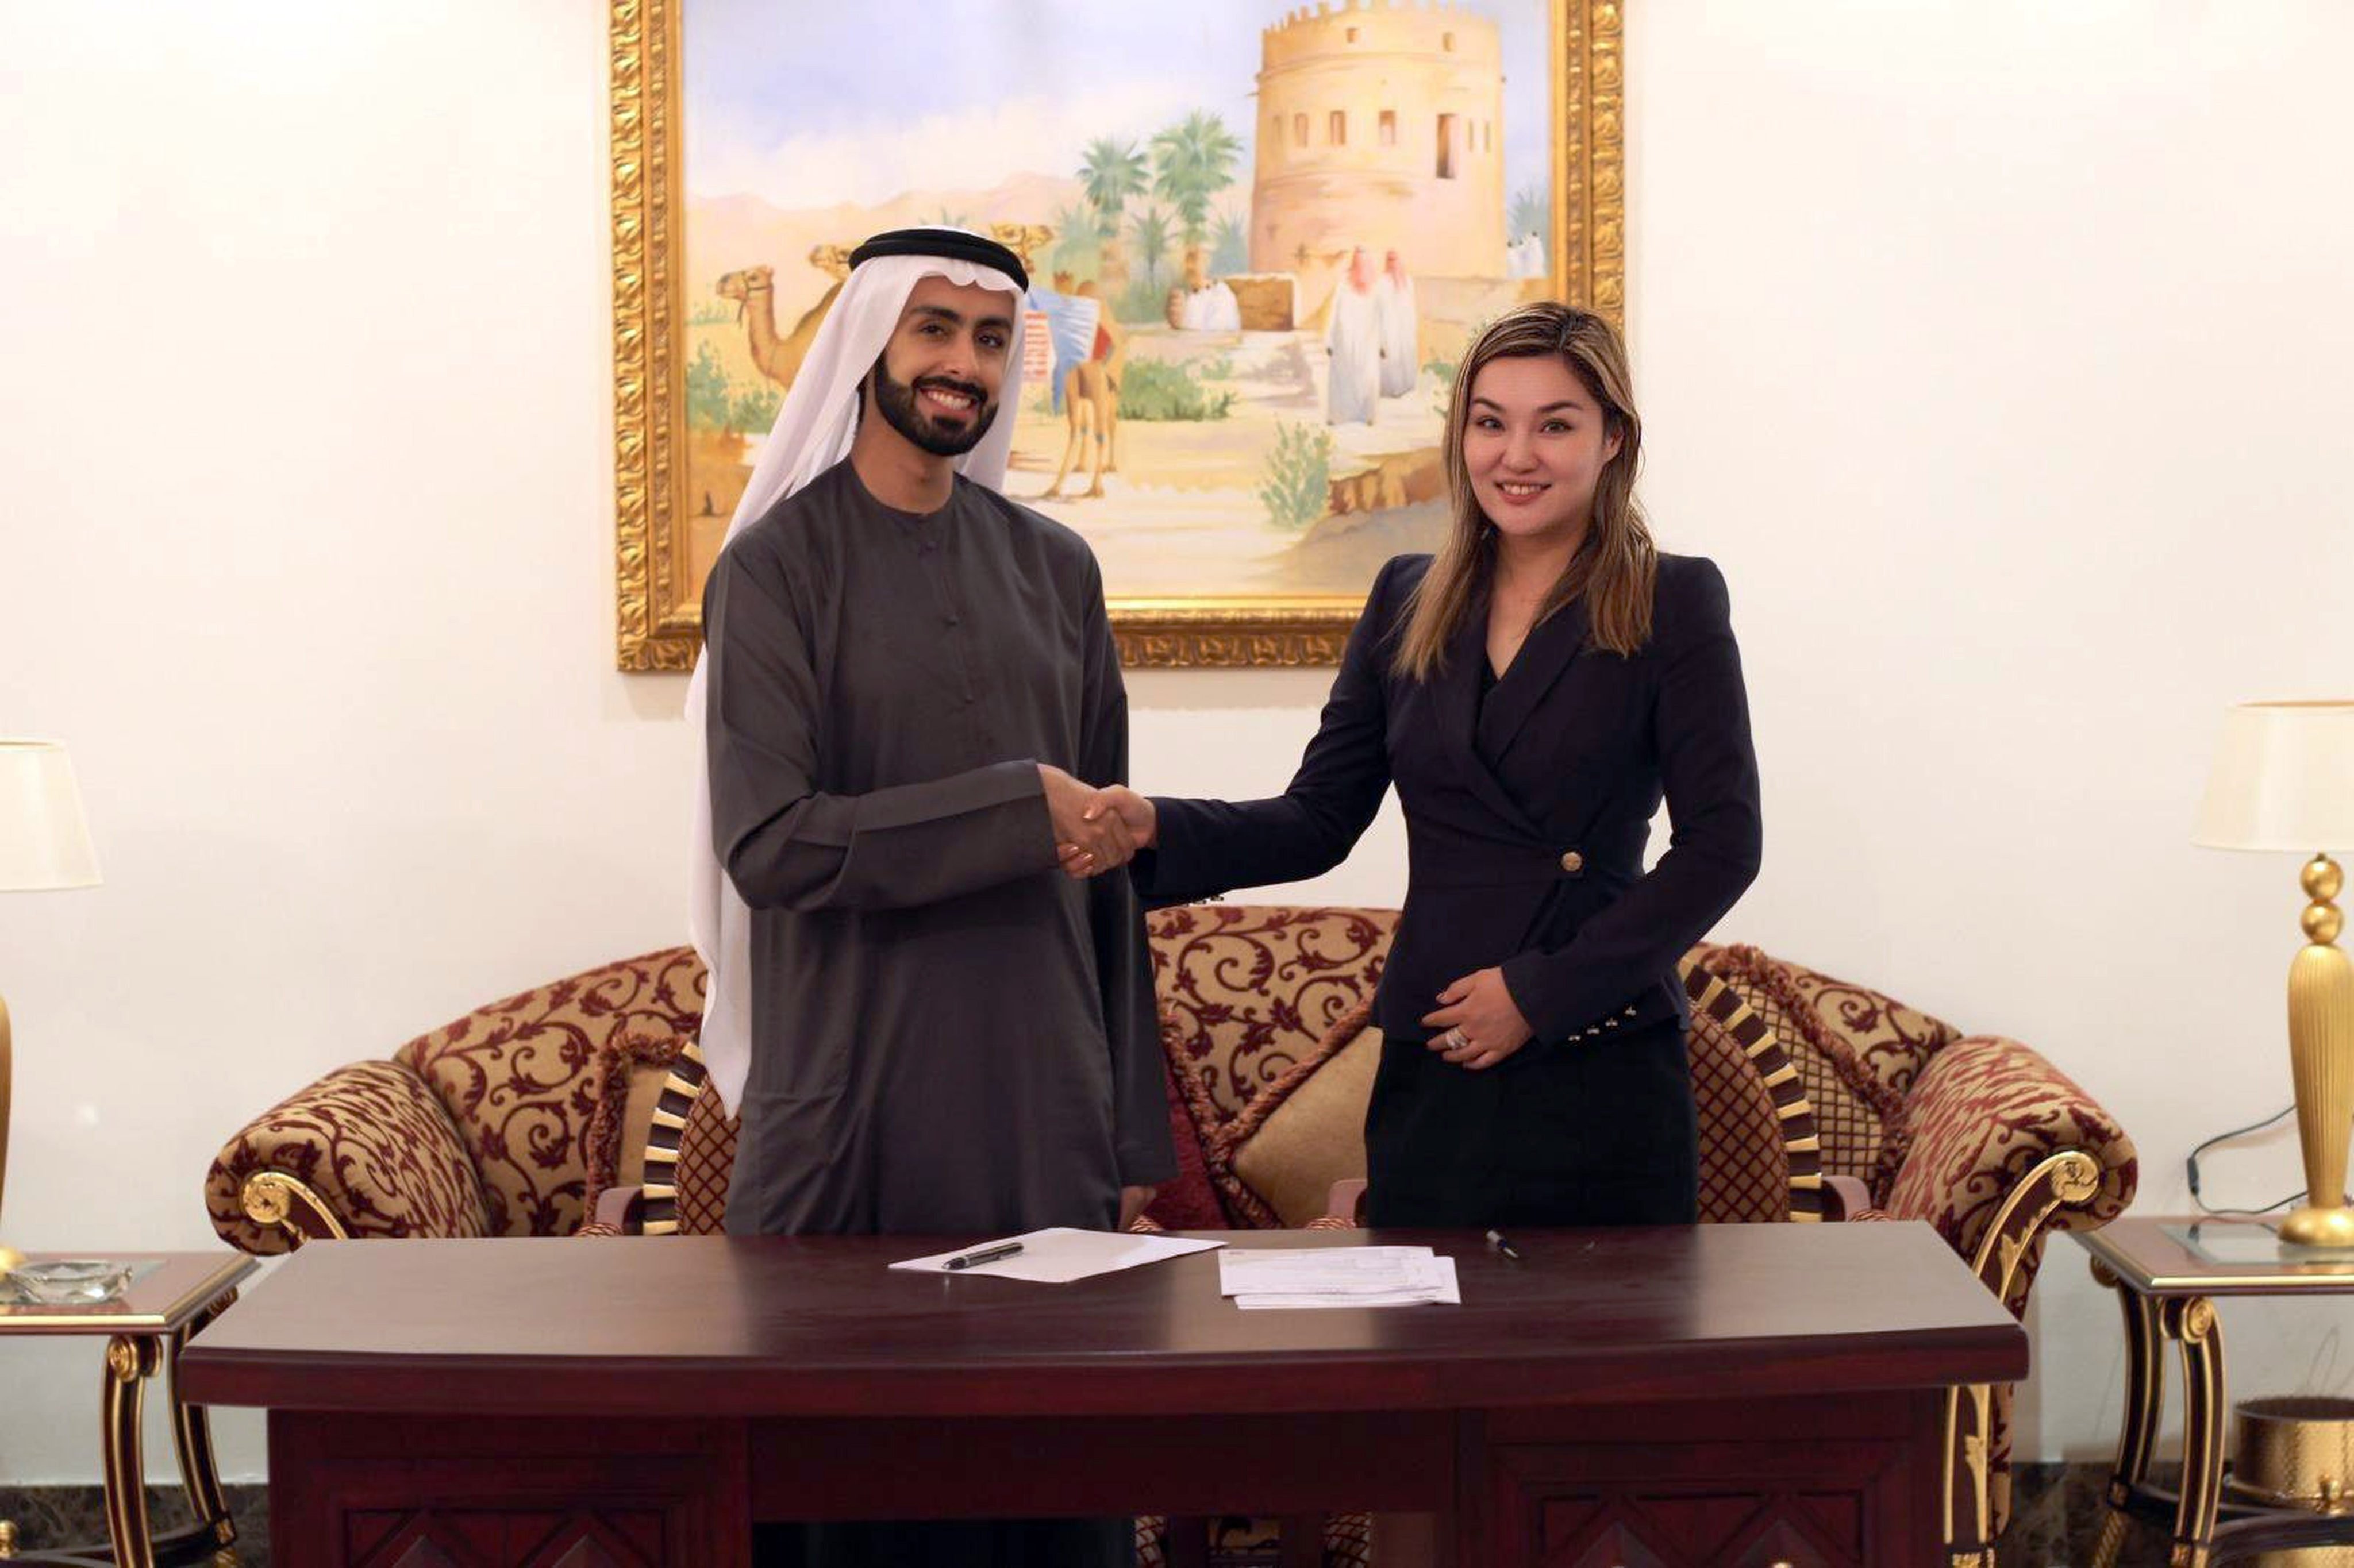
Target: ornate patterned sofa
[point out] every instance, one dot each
(1820, 1099)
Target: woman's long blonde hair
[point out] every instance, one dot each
(1615, 567)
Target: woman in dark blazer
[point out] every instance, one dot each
(1532, 690)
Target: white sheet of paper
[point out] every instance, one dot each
(1061, 1254)
(1265, 1277)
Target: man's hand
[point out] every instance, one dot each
(1479, 1024)
(1134, 1200)
(1088, 840)
(1130, 808)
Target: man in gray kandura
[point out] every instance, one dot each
(909, 692)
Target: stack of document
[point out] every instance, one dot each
(1336, 1276)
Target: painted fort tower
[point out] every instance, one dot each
(1380, 125)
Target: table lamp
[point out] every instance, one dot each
(44, 844)
(2283, 779)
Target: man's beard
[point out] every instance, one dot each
(896, 400)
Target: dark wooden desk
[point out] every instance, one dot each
(1724, 1394)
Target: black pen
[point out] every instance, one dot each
(986, 1255)
(1496, 1240)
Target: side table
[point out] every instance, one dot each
(170, 1298)
(2167, 1274)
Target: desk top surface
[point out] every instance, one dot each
(817, 1326)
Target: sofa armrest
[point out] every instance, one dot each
(366, 1151)
(2003, 1149)
(1844, 1198)
(618, 1212)
(1346, 1203)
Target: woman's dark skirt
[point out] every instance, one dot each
(1594, 1133)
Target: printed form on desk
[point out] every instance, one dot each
(1337, 1276)
(1059, 1254)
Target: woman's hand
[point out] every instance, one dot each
(1479, 1025)
(1134, 1200)
(1133, 812)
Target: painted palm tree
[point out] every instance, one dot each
(1229, 245)
(1149, 230)
(1192, 161)
(1114, 171)
(1079, 241)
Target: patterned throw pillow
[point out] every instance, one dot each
(1858, 1053)
(1276, 1161)
(630, 1077)
(1759, 1160)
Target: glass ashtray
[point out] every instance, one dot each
(69, 1282)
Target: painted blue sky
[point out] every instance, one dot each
(811, 102)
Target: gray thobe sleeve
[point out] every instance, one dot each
(788, 844)
(1123, 960)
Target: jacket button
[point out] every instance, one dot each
(1571, 862)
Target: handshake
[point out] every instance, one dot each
(1095, 830)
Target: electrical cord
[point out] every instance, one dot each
(2191, 1167)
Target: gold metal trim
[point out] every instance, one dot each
(274, 1198)
(657, 626)
(192, 1437)
(131, 1361)
(2191, 1323)
(2068, 1177)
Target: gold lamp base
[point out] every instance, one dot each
(2329, 1228)
(2321, 1060)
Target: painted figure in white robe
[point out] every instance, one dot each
(1394, 303)
(1202, 304)
(1354, 337)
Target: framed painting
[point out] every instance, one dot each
(1259, 235)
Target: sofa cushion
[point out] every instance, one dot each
(518, 1078)
(1276, 1161)
(1245, 991)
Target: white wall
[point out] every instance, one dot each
(1996, 350)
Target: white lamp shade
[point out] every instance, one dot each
(44, 842)
(2283, 779)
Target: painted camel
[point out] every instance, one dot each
(1091, 403)
(754, 289)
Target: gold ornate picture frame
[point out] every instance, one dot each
(1176, 335)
